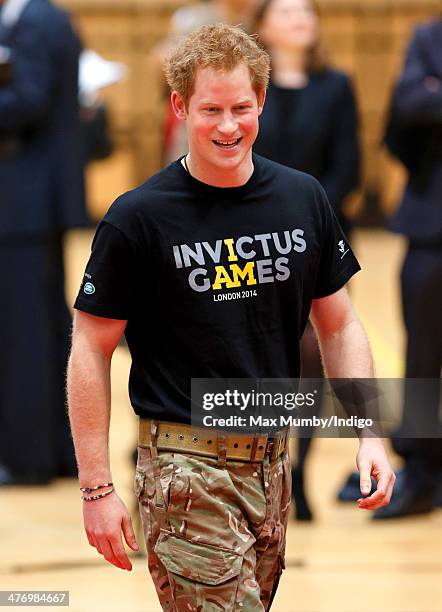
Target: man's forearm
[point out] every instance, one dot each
(88, 387)
(346, 353)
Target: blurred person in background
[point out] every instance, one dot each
(184, 21)
(188, 18)
(309, 122)
(42, 196)
(414, 136)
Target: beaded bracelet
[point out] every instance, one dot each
(90, 489)
(99, 496)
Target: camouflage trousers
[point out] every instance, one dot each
(215, 536)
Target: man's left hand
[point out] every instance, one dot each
(372, 460)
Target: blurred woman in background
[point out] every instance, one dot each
(309, 122)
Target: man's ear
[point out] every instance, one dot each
(261, 97)
(178, 105)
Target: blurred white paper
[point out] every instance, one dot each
(95, 72)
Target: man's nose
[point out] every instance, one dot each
(227, 124)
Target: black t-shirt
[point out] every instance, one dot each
(214, 282)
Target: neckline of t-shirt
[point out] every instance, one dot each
(222, 191)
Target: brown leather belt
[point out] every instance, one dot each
(201, 441)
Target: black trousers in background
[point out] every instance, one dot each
(35, 328)
(421, 284)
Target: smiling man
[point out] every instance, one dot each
(214, 506)
(223, 110)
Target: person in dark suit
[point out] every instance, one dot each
(310, 118)
(309, 122)
(41, 196)
(414, 136)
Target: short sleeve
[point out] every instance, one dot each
(107, 289)
(337, 261)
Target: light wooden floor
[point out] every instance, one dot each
(342, 562)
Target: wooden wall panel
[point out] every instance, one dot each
(367, 38)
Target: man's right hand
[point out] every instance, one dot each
(104, 520)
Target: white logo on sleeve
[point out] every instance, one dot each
(342, 249)
(89, 288)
